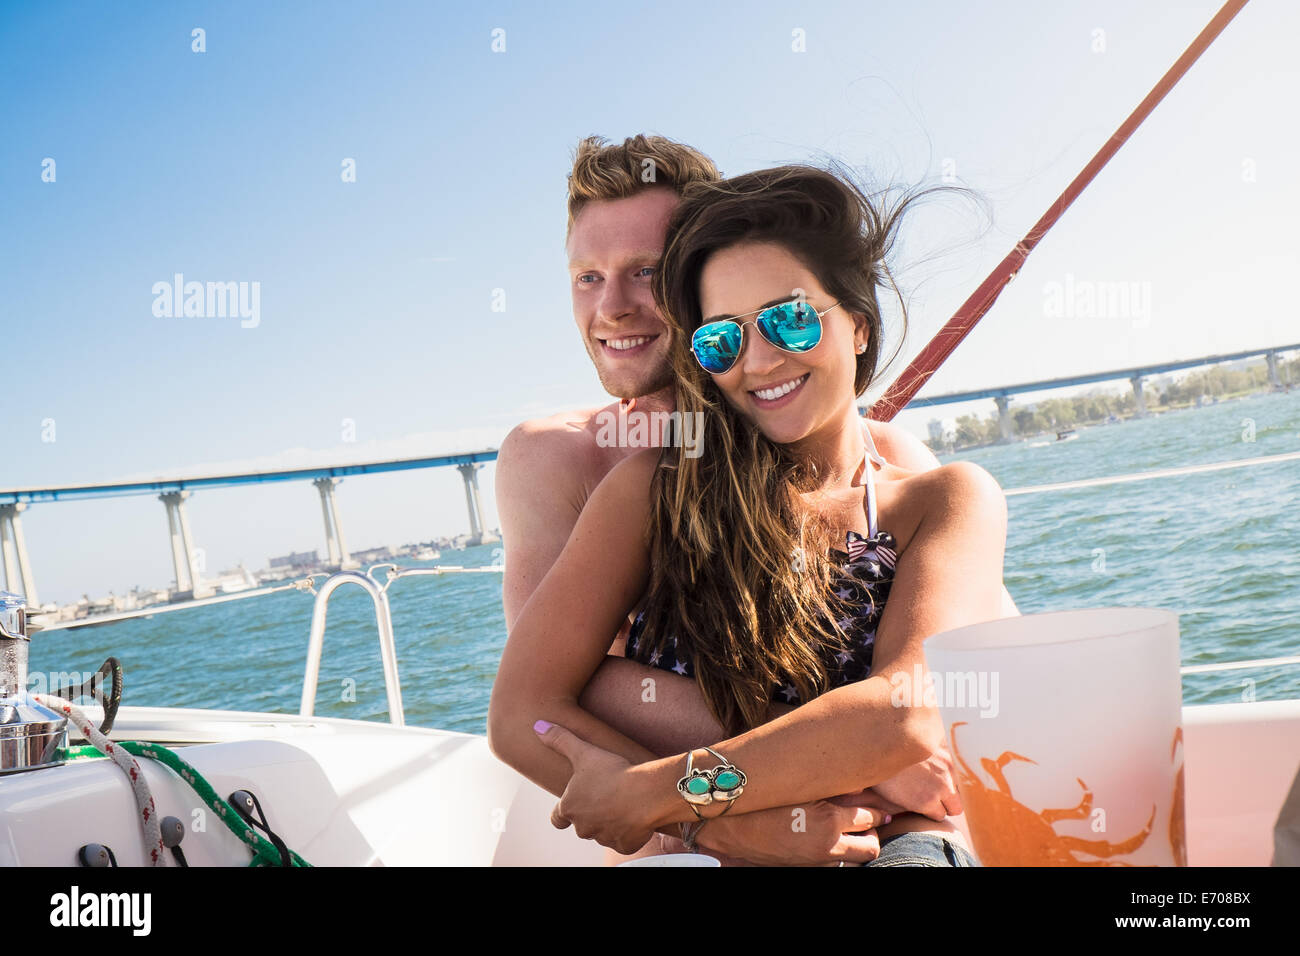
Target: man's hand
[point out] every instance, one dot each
(820, 833)
(926, 787)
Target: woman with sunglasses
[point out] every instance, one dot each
(787, 569)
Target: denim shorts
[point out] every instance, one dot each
(922, 848)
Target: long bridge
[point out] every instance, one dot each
(1001, 394)
(173, 492)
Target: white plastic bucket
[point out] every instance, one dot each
(1066, 735)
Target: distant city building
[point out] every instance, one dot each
(943, 431)
(298, 559)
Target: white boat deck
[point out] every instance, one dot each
(354, 793)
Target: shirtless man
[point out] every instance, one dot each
(620, 200)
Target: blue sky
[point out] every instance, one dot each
(376, 295)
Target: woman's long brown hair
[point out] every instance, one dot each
(740, 580)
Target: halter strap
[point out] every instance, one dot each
(871, 445)
(871, 484)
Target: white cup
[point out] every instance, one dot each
(1065, 730)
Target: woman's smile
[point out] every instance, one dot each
(778, 394)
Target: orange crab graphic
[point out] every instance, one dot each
(1017, 836)
(1177, 820)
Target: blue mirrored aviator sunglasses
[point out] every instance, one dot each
(791, 326)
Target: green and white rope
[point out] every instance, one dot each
(155, 852)
(264, 851)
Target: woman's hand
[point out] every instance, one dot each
(599, 801)
(926, 787)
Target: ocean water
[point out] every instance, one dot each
(1221, 548)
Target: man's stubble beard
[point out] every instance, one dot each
(629, 388)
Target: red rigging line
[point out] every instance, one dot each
(981, 300)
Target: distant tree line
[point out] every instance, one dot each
(1055, 414)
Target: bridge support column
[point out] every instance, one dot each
(179, 564)
(1138, 398)
(338, 549)
(1004, 417)
(18, 570)
(189, 582)
(469, 474)
(1274, 379)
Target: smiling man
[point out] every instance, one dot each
(621, 198)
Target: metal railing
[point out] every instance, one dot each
(1238, 665)
(383, 619)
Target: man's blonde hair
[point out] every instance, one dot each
(605, 171)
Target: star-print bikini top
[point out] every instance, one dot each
(869, 565)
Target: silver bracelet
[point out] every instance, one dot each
(699, 788)
(690, 831)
